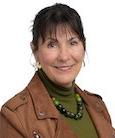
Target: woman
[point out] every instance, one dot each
(52, 105)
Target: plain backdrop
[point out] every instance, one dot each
(98, 75)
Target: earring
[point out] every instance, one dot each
(38, 65)
(33, 62)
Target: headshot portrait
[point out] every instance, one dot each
(57, 79)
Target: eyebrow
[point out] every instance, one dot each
(75, 37)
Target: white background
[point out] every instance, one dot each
(98, 18)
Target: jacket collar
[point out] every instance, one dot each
(41, 97)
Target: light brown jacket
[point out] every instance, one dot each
(31, 114)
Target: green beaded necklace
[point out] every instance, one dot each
(67, 113)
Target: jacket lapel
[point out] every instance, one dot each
(41, 97)
(103, 127)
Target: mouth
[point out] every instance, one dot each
(64, 68)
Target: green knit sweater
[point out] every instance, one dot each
(84, 127)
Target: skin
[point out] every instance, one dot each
(61, 57)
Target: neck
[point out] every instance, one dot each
(53, 88)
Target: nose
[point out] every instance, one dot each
(64, 54)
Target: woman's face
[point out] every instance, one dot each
(61, 56)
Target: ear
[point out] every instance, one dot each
(32, 46)
(33, 51)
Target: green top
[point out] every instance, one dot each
(84, 127)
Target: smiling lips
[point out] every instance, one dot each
(64, 68)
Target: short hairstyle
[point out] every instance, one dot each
(47, 20)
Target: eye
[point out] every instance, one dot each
(52, 45)
(74, 43)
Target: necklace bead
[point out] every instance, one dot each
(67, 113)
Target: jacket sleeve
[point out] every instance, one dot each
(9, 125)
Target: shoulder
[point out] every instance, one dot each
(86, 93)
(95, 95)
(96, 101)
(10, 114)
(21, 99)
(17, 101)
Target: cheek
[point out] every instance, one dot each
(79, 56)
(78, 53)
(46, 58)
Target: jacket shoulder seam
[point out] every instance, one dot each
(93, 94)
(17, 101)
